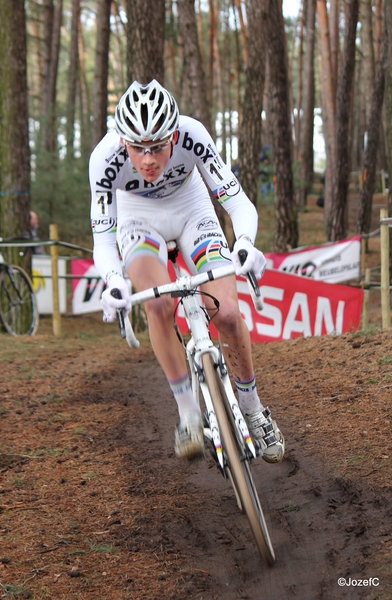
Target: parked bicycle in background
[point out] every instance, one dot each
(18, 303)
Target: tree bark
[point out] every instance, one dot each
(300, 83)
(73, 78)
(370, 159)
(193, 64)
(51, 52)
(250, 132)
(307, 120)
(145, 35)
(14, 139)
(337, 224)
(101, 75)
(328, 103)
(286, 224)
(243, 30)
(367, 51)
(388, 107)
(334, 44)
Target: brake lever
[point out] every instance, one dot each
(251, 277)
(115, 292)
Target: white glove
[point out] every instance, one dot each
(110, 305)
(255, 260)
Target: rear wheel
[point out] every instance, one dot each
(238, 466)
(18, 304)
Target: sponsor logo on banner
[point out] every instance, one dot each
(333, 262)
(292, 306)
(86, 292)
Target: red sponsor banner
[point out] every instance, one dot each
(292, 306)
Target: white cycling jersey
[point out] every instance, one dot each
(140, 216)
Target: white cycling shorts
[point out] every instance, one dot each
(145, 225)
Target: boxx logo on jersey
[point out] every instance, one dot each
(111, 172)
(199, 149)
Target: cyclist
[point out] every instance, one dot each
(146, 190)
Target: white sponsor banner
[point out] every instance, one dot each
(333, 262)
(42, 281)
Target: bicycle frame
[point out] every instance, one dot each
(199, 343)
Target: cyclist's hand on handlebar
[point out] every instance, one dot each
(255, 260)
(110, 304)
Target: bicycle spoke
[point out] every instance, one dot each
(18, 305)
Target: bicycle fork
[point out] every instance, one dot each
(198, 383)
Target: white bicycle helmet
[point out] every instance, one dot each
(146, 112)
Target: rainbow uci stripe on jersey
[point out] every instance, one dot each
(206, 252)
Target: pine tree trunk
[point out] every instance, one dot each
(370, 159)
(100, 93)
(328, 103)
(367, 52)
(14, 141)
(388, 106)
(286, 224)
(193, 64)
(337, 224)
(73, 76)
(51, 52)
(307, 121)
(145, 36)
(250, 132)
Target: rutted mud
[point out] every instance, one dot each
(95, 505)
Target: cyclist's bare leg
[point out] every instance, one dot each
(146, 272)
(234, 336)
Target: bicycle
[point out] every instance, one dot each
(225, 428)
(18, 303)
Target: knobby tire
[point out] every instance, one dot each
(18, 303)
(238, 465)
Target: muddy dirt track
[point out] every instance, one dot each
(95, 505)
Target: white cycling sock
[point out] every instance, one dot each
(247, 395)
(183, 395)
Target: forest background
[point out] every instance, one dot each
(252, 77)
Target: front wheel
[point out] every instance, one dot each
(18, 303)
(238, 466)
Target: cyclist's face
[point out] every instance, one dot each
(151, 159)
